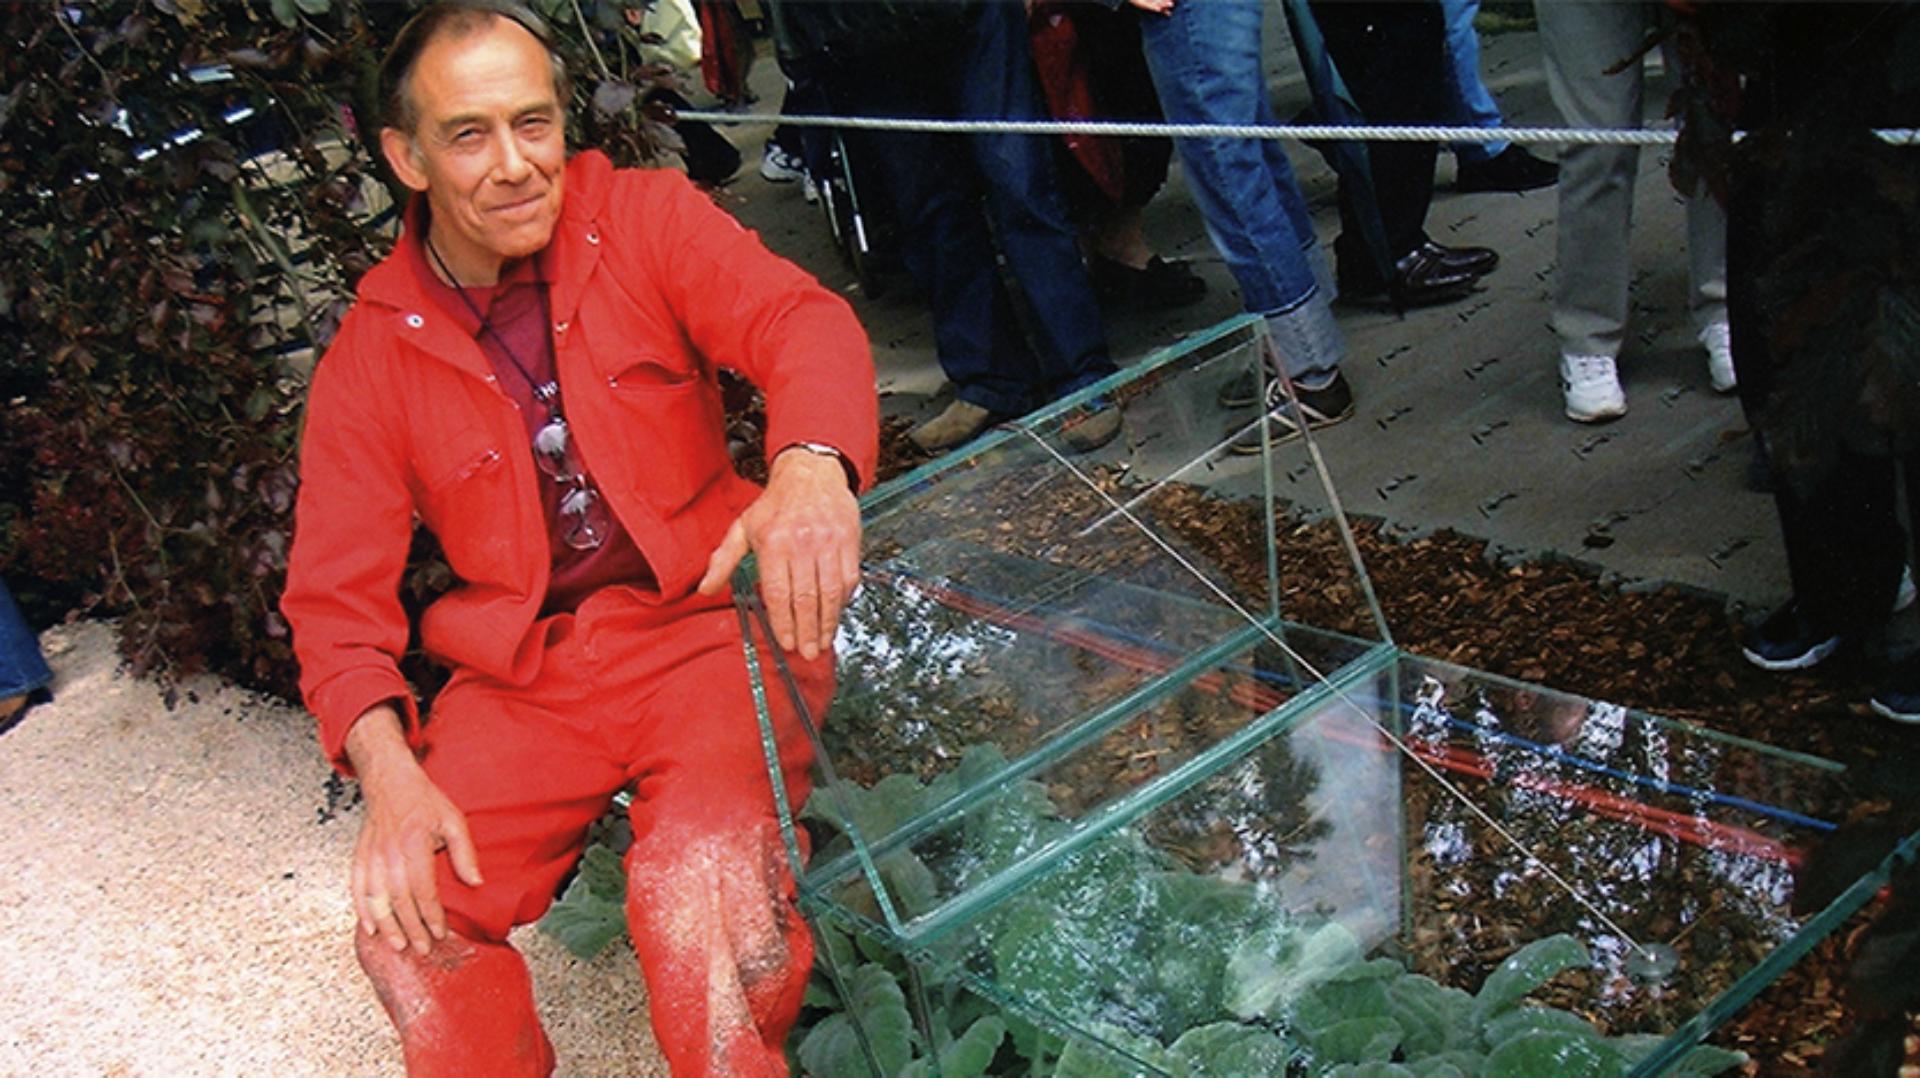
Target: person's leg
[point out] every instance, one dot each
(994, 79)
(944, 240)
(1393, 56)
(1844, 545)
(465, 1008)
(1466, 99)
(23, 670)
(1580, 40)
(711, 900)
(1206, 64)
(527, 768)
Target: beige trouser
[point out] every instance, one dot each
(1580, 40)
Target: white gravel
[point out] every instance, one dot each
(174, 900)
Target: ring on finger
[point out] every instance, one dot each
(379, 906)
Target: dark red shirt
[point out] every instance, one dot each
(516, 318)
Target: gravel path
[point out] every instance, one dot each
(178, 906)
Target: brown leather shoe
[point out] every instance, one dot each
(960, 423)
(1091, 426)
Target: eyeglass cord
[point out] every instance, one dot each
(547, 393)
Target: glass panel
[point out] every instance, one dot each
(1087, 763)
(1040, 607)
(1324, 888)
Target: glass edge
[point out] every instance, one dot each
(1742, 992)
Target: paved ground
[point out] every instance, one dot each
(1459, 423)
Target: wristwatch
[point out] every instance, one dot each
(824, 450)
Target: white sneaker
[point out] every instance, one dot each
(779, 166)
(1592, 388)
(1717, 339)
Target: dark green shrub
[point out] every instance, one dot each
(185, 205)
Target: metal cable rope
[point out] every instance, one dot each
(1646, 136)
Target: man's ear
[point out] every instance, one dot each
(397, 145)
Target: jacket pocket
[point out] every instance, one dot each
(678, 428)
(462, 501)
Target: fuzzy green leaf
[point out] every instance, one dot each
(584, 922)
(880, 1008)
(968, 1056)
(1525, 1020)
(1225, 1049)
(1559, 1054)
(1083, 1058)
(1272, 968)
(1703, 1061)
(1356, 1040)
(1436, 1018)
(1525, 970)
(603, 874)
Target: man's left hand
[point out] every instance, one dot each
(805, 531)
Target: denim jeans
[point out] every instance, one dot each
(937, 183)
(1205, 59)
(1467, 99)
(22, 669)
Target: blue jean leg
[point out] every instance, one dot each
(1205, 60)
(1029, 215)
(22, 668)
(1467, 99)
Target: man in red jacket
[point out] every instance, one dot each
(531, 373)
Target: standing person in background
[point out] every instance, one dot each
(1482, 166)
(963, 200)
(1823, 256)
(1392, 56)
(1205, 57)
(1092, 68)
(531, 374)
(1583, 42)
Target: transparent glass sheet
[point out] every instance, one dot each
(1316, 873)
(1117, 754)
(1037, 609)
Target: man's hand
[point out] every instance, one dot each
(408, 820)
(805, 530)
(1155, 7)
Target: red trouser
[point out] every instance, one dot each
(627, 692)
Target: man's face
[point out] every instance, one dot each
(489, 149)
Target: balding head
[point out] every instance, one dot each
(454, 19)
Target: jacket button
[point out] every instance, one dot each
(415, 321)
(560, 327)
(593, 238)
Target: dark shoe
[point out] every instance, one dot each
(1512, 169)
(1420, 279)
(1787, 640)
(1898, 697)
(960, 423)
(1090, 426)
(1240, 391)
(1161, 286)
(1478, 261)
(1321, 407)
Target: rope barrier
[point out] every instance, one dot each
(1646, 136)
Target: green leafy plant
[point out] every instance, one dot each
(1191, 975)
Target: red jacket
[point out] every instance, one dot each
(653, 289)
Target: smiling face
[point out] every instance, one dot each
(488, 149)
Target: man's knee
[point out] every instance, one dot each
(463, 1004)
